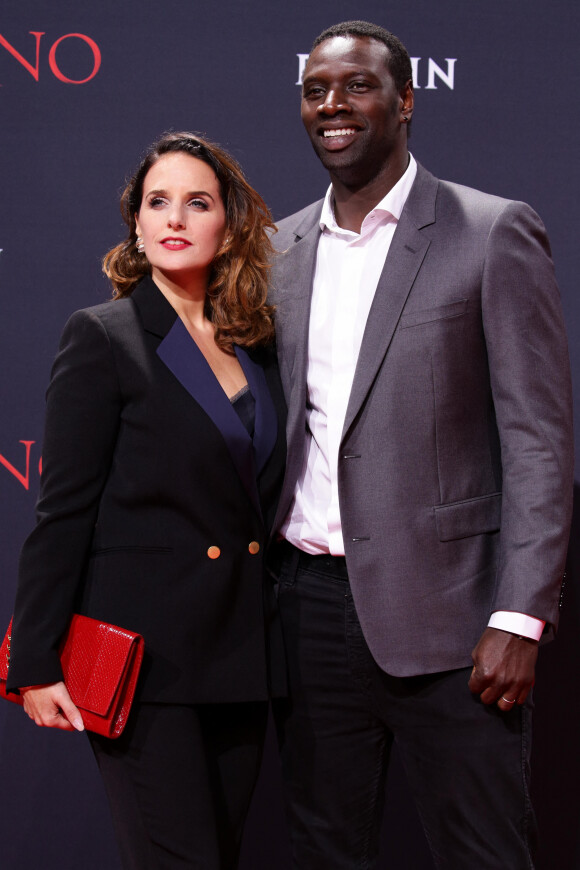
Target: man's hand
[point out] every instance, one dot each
(52, 707)
(504, 668)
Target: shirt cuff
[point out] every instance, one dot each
(517, 623)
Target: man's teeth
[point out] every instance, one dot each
(344, 131)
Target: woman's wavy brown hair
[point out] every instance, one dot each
(236, 296)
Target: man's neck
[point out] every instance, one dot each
(354, 198)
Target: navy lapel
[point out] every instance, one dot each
(266, 425)
(184, 359)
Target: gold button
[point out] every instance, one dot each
(214, 552)
(254, 547)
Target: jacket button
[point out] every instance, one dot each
(214, 552)
(254, 547)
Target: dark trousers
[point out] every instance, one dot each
(179, 782)
(467, 764)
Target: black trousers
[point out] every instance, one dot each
(467, 764)
(179, 782)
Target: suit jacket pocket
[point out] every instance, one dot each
(474, 516)
(428, 315)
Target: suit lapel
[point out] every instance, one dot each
(266, 425)
(179, 352)
(184, 359)
(156, 313)
(292, 295)
(406, 254)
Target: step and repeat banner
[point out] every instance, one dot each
(84, 88)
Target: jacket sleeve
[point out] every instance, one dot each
(531, 388)
(82, 417)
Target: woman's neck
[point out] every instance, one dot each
(187, 296)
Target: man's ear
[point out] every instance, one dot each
(406, 103)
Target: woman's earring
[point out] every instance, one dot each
(140, 244)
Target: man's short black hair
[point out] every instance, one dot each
(399, 63)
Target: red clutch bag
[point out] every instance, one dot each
(100, 664)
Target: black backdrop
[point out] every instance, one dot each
(83, 89)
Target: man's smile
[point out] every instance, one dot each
(343, 131)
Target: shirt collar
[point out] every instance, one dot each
(391, 204)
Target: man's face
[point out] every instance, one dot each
(351, 108)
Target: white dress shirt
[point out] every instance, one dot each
(348, 267)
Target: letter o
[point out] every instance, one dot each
(96, 55)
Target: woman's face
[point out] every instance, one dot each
(182, 218)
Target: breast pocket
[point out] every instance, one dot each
(429, 315)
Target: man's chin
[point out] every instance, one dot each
(332, 160)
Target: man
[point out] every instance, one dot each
(426, 507)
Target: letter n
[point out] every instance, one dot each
(24, 479)
(448, 78)
(33, 70)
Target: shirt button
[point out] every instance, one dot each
(254, 547)
(214, 552)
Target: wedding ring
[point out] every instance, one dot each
(507, 700)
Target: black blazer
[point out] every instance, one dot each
(152, 492)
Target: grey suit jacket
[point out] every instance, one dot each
(456, 462)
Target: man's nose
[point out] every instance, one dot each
(334, 102)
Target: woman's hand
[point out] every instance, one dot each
(51, 706)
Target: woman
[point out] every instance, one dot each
(163, 458)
